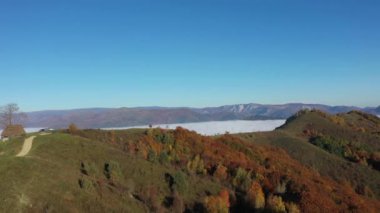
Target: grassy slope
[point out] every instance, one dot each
(346, 126)
(290, 138)
(47, 179)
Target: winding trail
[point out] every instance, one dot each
(27, 146)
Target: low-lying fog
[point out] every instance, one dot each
(209, 128)
(219, 127)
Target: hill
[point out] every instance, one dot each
(344, 147)
(65, 173)
(159, 170)
(122, 117)
(354, 136)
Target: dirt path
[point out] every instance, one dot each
(27, 146)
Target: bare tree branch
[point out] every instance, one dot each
(10, 115)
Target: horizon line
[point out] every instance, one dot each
(200, 107)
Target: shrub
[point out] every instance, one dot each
(242, 179)
(167, 139)
(364, 190)
(180, 182)
(217, 203)
(89, 169)
(292, 208)
(255, 196)
(162, 136)
(330, 144)
(149, 196)
(112, 171)
(83, 168)
(164, 158)
(225, 196)
(275, 204)
(281, 185)
(152, 156)
(196, 166)
(86, 184)
(337, 120)
(72, 128)
(221, 172)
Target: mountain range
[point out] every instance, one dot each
(123, 117)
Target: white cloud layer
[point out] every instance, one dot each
(220, 127)
(209, 128)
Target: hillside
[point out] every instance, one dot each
(354, 136)
(122, 117)
(65, 173)
(156, 170)
(344, 147)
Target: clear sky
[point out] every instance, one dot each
(108, 53)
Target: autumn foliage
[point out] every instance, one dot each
(255, 196)
(218, 203)
(264, 177)
(73, 129)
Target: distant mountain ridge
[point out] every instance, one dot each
(120, 117)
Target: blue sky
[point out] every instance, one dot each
(93, 53)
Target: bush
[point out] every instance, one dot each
(220, 172)
(164, 158)
(149, 196)
(72, 129)
(113, 172)
(255, 196)
(330, 144)
(180, 182)
(275, 204)
(152, 156)
(242, 179)
(86, 184)
(292, 208)
(218, 203)
(89, 169)
(83, 168)
(162, 136)
(196, 166)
